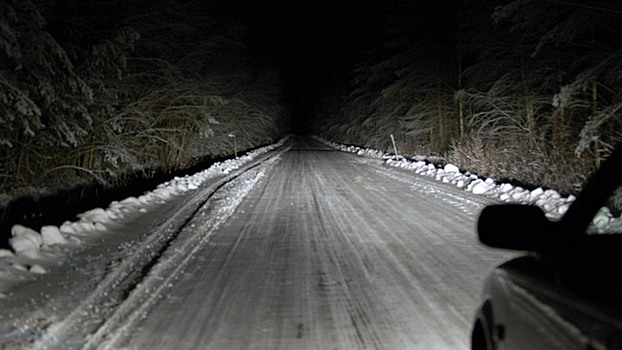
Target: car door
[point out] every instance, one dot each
(566, 301)
(527, 302)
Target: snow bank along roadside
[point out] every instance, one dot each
(553, 204)
(35, 252)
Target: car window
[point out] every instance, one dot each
(608, 220)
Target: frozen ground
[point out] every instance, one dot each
(294, 247)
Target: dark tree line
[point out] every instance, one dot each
(90, 91)
(521, 90)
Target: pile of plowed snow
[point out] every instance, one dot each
(553, 204)
(32, 251)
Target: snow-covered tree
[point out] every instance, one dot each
(44, 101)
(93, 91)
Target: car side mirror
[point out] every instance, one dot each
(514, 226)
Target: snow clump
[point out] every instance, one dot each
(25, 242)
(50, 235)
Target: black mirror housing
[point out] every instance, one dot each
(514, 226)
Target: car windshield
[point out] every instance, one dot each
(608, 220)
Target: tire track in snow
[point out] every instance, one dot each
(122, 282)
(170, 266)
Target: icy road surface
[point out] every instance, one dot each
(304, 247)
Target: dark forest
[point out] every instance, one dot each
(526, 91)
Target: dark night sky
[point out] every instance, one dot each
(317, 43)
(313, 43)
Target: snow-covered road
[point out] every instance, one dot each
(303, 247)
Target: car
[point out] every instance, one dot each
(565, 292)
